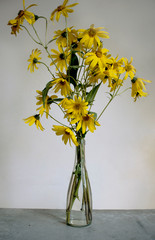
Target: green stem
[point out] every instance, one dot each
(37, 35)
(30, 35)
(45, 47)
(64, 55)
(81, 67)
(105, 107)
(124, 91)
(56, 120)
(115, 93)
(51, 41)
(73, 195)
(47, 68)
(66, 32)
(75, 184)
(71, 199)
(64, 114)
(53, 61)
(46, 29)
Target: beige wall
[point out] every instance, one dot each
(35, 166)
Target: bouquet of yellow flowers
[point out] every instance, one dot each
(82, 64)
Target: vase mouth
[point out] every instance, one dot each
(81, 141)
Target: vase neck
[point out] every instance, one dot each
(80, 152)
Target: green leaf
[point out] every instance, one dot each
(91, 95)
(57, 99)
(77, 170)
(109, 94)
(73, 68)
(45, 91)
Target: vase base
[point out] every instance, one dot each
(77, 225)
(78, 219)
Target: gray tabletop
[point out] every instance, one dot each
(41, 224)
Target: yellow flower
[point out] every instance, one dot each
(117, 64)
(77, 106)
(91, 36)
(15, 26)
(111, 74)
(78, 47)
(62, 84)
(84, 122)
(62, 9)
(115, 83)
(64, 103)
(67, 134)
(129, 69)
(94, 75)
(60, 59)
(48, 102)
(61, 36)
(138, 86)
(24, 14)
(34, 58)
(98, 57)
(34, 119)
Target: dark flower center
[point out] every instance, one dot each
(113, 81)
(37, 116)
(92, 32)
(134, 80)
(67, 133)
(86, 118)
(20, 13)
(35, 60)
(64, 35)
(60, 8)
(74, 45)
(62, 56)
(99, 54)
(128, 68)
(62, 83)
(77, 106)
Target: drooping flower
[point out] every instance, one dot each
(129, 69)
(24, 14)
(138, 85)
(62, 9)
(113, 84)
(62, 84)
(34, 119)
(118, 64)
(94, 75)
(98, 57)
(65, 35)
(91, 36)
(111, 74)
(84, 122)
(67, 134)
(15, 26)
(48, 102)
(77, 107)
(34, 58)
(61, 59)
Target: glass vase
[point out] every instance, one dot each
(79, 196)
